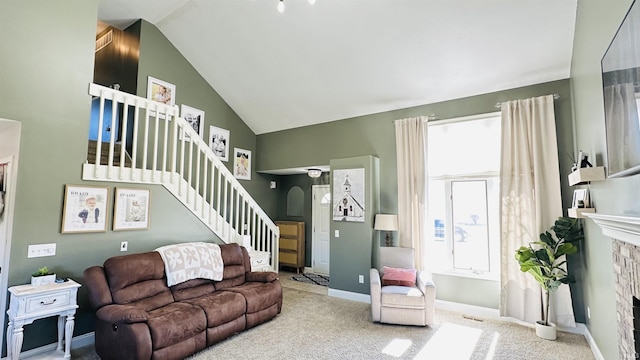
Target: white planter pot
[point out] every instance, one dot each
(43, 280)
(546, 332)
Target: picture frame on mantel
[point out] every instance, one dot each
(85, 209)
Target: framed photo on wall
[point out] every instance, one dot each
(85, 209)
(219, 142)
(131, 210)
(348, 195)
(162, 92)
(195, 118)
(242, 164)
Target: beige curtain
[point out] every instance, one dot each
(411, 151)
(530, 204)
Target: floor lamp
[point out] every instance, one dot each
(388, 223)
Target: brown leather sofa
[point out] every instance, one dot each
(139, 317)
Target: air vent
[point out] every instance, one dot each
(104, 40)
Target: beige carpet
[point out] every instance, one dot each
(313, 325)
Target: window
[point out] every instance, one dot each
(463, 196)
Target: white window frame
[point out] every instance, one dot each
(493, 219)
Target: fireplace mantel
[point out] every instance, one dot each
(623, 228)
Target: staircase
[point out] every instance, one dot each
(184, 165)
(104, 156)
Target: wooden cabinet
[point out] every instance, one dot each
(291, 251)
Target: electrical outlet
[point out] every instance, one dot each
(337, 233)
(361, 279)
(124, 246)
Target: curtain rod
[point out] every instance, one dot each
(555, 96)
(429, 118)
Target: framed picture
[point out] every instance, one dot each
(85, 209)
(160, 91)
(195, 118)
(131, 210)
(580, 199)
(620, 78)
(242, 164)
(219, 142)
(348, 195)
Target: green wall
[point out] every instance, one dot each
(597, 23)
(160, 59)
(47, 63)
(352, 253)
(374, 134)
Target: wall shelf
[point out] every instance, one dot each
(586, 175)
(580, 212)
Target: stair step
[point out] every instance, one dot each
(104, 154)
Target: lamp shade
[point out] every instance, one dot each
(388, 222)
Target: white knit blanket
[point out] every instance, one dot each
(195, 260)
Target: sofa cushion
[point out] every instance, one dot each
(220, 307)
(174, 323)
(402, 296)
(259, 296)
(192, 289)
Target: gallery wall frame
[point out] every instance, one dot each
(131, 209)
(219, 142)
(84, 209)
(162, 92)
(242, 164)
(195, 118)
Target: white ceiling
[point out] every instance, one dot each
(343, 58)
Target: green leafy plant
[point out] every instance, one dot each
(42, 272)
(545, 259)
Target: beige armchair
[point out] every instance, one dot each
(405, 305)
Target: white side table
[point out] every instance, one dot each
(29, 303)
(260, 261)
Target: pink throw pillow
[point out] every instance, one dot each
(398, 277)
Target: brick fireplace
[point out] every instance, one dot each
(625, 234)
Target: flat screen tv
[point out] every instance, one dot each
(621, 90)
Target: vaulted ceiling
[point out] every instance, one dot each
(337, 59)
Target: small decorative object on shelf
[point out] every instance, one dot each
(43, 277)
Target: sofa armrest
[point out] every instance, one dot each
(122, 314)
(375, 290)
(261, 276)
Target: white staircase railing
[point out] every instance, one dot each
(166, 150)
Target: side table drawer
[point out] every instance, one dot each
(47, 301)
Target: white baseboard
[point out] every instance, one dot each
(76, 342)
(472, 310)
(592, 343)
(348, 295)
(580, 329)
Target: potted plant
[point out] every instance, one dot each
(43, 277)
(545, 260)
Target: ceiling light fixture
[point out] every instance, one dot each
(314, 173)
(281, 6)
(312, 2)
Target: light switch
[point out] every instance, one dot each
(41, 250)
(337, 233)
